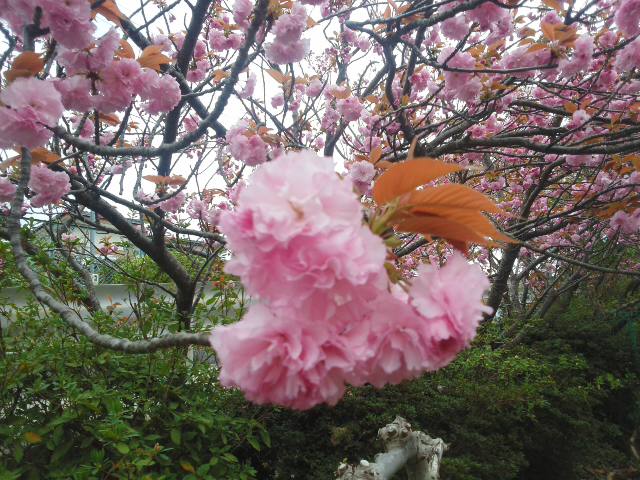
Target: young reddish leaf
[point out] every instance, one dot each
(375, 155)
(438, 199)
(108, 118)
(109, 10)
(342, 92)
(404, 177)
(219, 75)
(125, 50)
(555, 4)
(279, 77)
(27, 64)
(548, 30)
(152, 57)
(439, 227)
(570, 107)
(175, 180)
(43, 155)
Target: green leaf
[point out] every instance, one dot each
(187, 467)
(266, 438)
(254, 443)
(123, 448)
(18, 453)
(175, 435)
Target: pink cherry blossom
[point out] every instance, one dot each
(450, 299)
(245, 146)
(289, 27)
(362, 171)
(350, 108)
(241, 11)
(298, 239)
(626, 223)
(76, 93)
(174, 203)
(69, 22)
(581, 59)
(462, 85)
(7, 190)
(49, 186)
(281, 360)
(315, 88)
(287, 46)
(93, 60)
(30, 105)
(249, 87)
(199, 210)
(488, 15)
(627, 17)
(629, 57)
(281, 51)
(165, 96)
(455, 27)
(277, 101)
(119, 84)
(389, 344)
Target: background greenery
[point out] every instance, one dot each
(554, 397)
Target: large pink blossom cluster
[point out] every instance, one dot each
(31, 107)
(324, 313)
(288, 46)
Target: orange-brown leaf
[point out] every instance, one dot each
(279, 77)
(555, 4)
(375, 155)
(406, 176)
(27, 64)
(110, 11)
(548, 30)
(175, 180)
(125, 50)
(440, 227)
(109, 118)
(43, 155)
(341, 93)
(443, 198)
(152, 57)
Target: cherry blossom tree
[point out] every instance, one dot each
(367, 170)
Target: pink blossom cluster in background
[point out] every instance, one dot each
(48, 186)
(324, 313)
(246, 146)
(120, 80)
(288, 46)
(7, 190)
(69, 21)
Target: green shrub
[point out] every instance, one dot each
(71, 410)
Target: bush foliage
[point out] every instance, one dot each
(558, 400)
